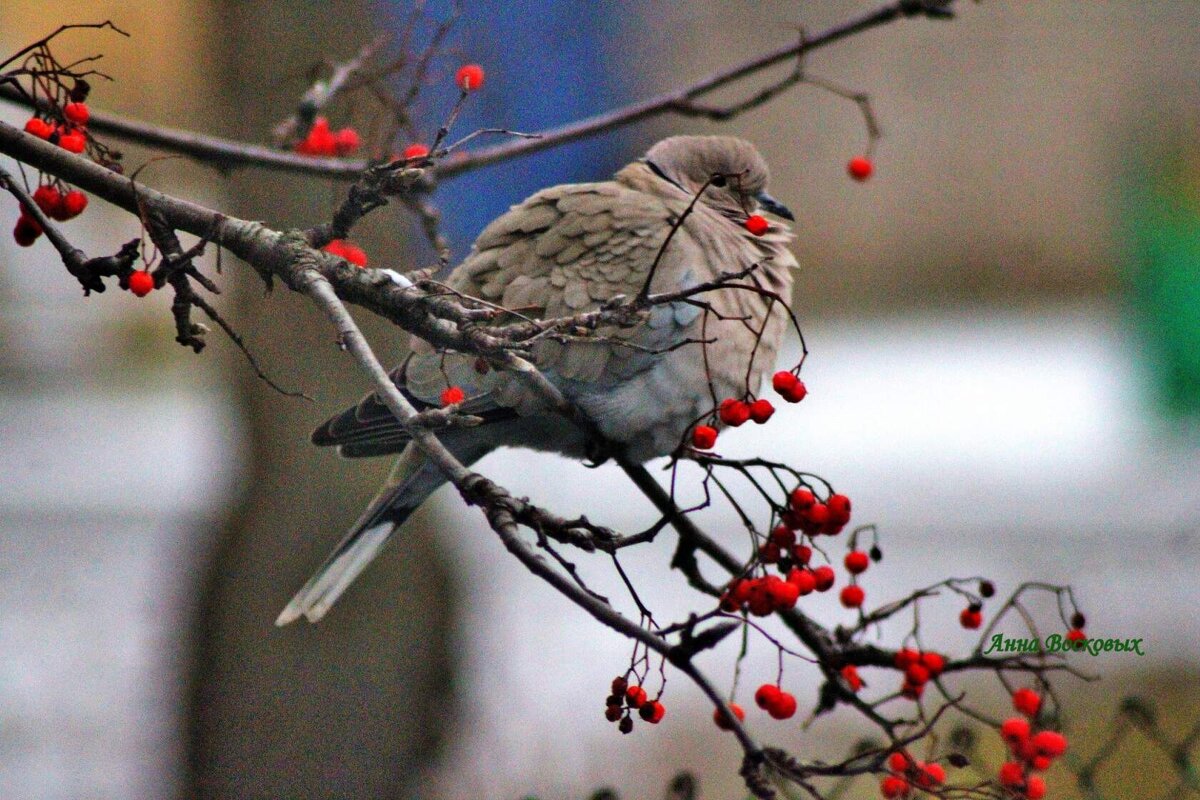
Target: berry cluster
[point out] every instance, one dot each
(919, 668)
(56, 203)
(628, 697)
(1032, 751)
(734, 412)
(907, 772)
(352, 253)
(321, 141)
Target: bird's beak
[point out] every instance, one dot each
(770, 204)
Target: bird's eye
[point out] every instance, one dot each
(717, 180)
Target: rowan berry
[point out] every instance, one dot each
(804, 581)
(916, 674)
(77, 113)
(704, 437)
(802, 499)
(970, 618)
(912, 691)
(784, 594)
(1014, 730)
(73, 142)
(1027, 702)
(900, 762)
(36, 126)
(783, 707)
(839, 508)
(1076, 635)
(613, 713)
(48, 199)
(722, 720)
(452, 395)
(346, 141)
(414, 151)
(860, 168)
(1035, 788)
(761, 410)
(26, 231)
(1011, 775)
(853, 596)
(851, 677)
(757, 225)
(824, 577)
(73, 204)
(930, 774)
(906, 657)
(893, 788)
(733, 412)
(801, 553)
(783, 536)
(635, 696)
(319, 141)
(469, 77)
(141, 283)
(766, 695)
(1049, 743)
(625, 725)
(796, 392)
(619, 685)
(857, 562)
(934, 662)
(652, 712)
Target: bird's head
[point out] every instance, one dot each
(732, 169)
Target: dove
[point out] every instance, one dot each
(566, 250)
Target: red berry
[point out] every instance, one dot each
(619, 685)
(1035, 788)
(893, 788)
(343, 249)
(761, 410)
(839, 508)
(613, 713)
(783, 707)
(857, 562)
(1011, 775)
(802, 499)
(1027, 702)
(784, 594)
(824, 578)
(757, 225)
(801, 553)
(899, 762)
(803, 579)
(1076, 635)
(970, 618)
(141, 283)
(73, 204)
(795, 393)
(625, 725)
(931, 775)
(26, 231)
(73, 142)
(783, 380)
(719, 716)
(766, 695)
(652, 712)
(452, 395)
(818, 514)
(783, 536)
(934, 662)
(48, 199)
(469, 77)
(414, 151)
(906, 657)
(704, 437)
(38, 127)
(635, 696)
(853, 596)
(1014, 730)
(77, 113)
(1040, 763)
(1049, 743)
(733, 412)
(851, 677)
(860, 168)
(346, 141)
(912, 691)
(319, 141)
(916, 674)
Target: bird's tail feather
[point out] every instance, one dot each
(412, 480)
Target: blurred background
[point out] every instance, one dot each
(1005, 376)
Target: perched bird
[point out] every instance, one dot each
(566, 250)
